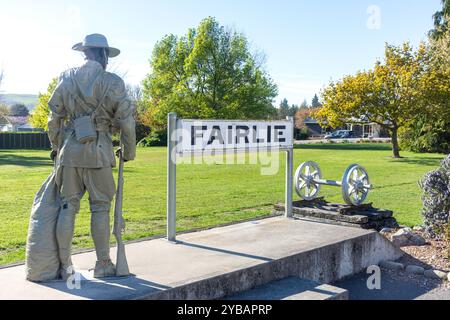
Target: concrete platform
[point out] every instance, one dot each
(293, 288)
(220, 262)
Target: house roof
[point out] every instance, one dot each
(16, 120)
(358, 121)
(310, 120)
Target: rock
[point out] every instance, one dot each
(412, 269)
(435, 274)
(406, 237)
(418, 240)
(401, 238)
(419, 228)
(448, 277)
(390, 223)
(386, 232)
(391, 265)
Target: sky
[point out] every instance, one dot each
(306, 43)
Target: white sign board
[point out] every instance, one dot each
(196, 136)
(217, 136)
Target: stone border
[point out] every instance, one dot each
(415, 270)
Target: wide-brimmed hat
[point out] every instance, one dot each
(96, 41)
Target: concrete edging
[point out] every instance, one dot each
(345, 259)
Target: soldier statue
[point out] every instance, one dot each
(88, 105)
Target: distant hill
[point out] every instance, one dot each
(30, 100)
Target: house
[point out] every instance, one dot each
(15, 124)
(314, 128)
(362, 128)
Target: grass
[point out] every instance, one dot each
(208, 195)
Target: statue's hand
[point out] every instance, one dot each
(53, 155)
(119, 153)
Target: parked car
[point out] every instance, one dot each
(332, 135)
(340, 134)
(346, 134)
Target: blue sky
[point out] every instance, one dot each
(306, 43)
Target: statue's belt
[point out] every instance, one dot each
(102, 127)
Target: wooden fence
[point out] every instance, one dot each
(24, 141)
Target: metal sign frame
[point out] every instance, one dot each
(172, 152)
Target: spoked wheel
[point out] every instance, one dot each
(355, 185)
(305, 186)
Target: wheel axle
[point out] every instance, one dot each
(355, 183)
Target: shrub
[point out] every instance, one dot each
(142, 131)
(426, 135)
(154, 139)
(303, 134)
(436, 200)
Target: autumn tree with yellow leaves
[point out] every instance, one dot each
(392, 94)
(39, 116)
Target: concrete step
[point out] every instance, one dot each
(293, 288)
(219, 262)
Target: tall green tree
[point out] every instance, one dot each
(304, 105)
(430, 130)
(315, 103)
(287, 110)
(19, 109)
(284, 109)
(441, 21)
(393, 94)
(39, 116)
(208, 73)
(293, 110)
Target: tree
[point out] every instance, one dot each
(441, 21)
(39, 116)
(4, 109)
(293, 110)
(19, 110)
(390, 95)
(287, 110)
(284, 109)
(302, 115)
(143, 128)
(430, 130)
(315, 102)
(304, 105)
(207, 73)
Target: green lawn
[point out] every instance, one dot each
(208, 194)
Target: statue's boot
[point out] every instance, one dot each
(66, 272)
(100, 229)
(64, 235)
(104, 269)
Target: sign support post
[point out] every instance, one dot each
(172, 177)
(289, 177)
